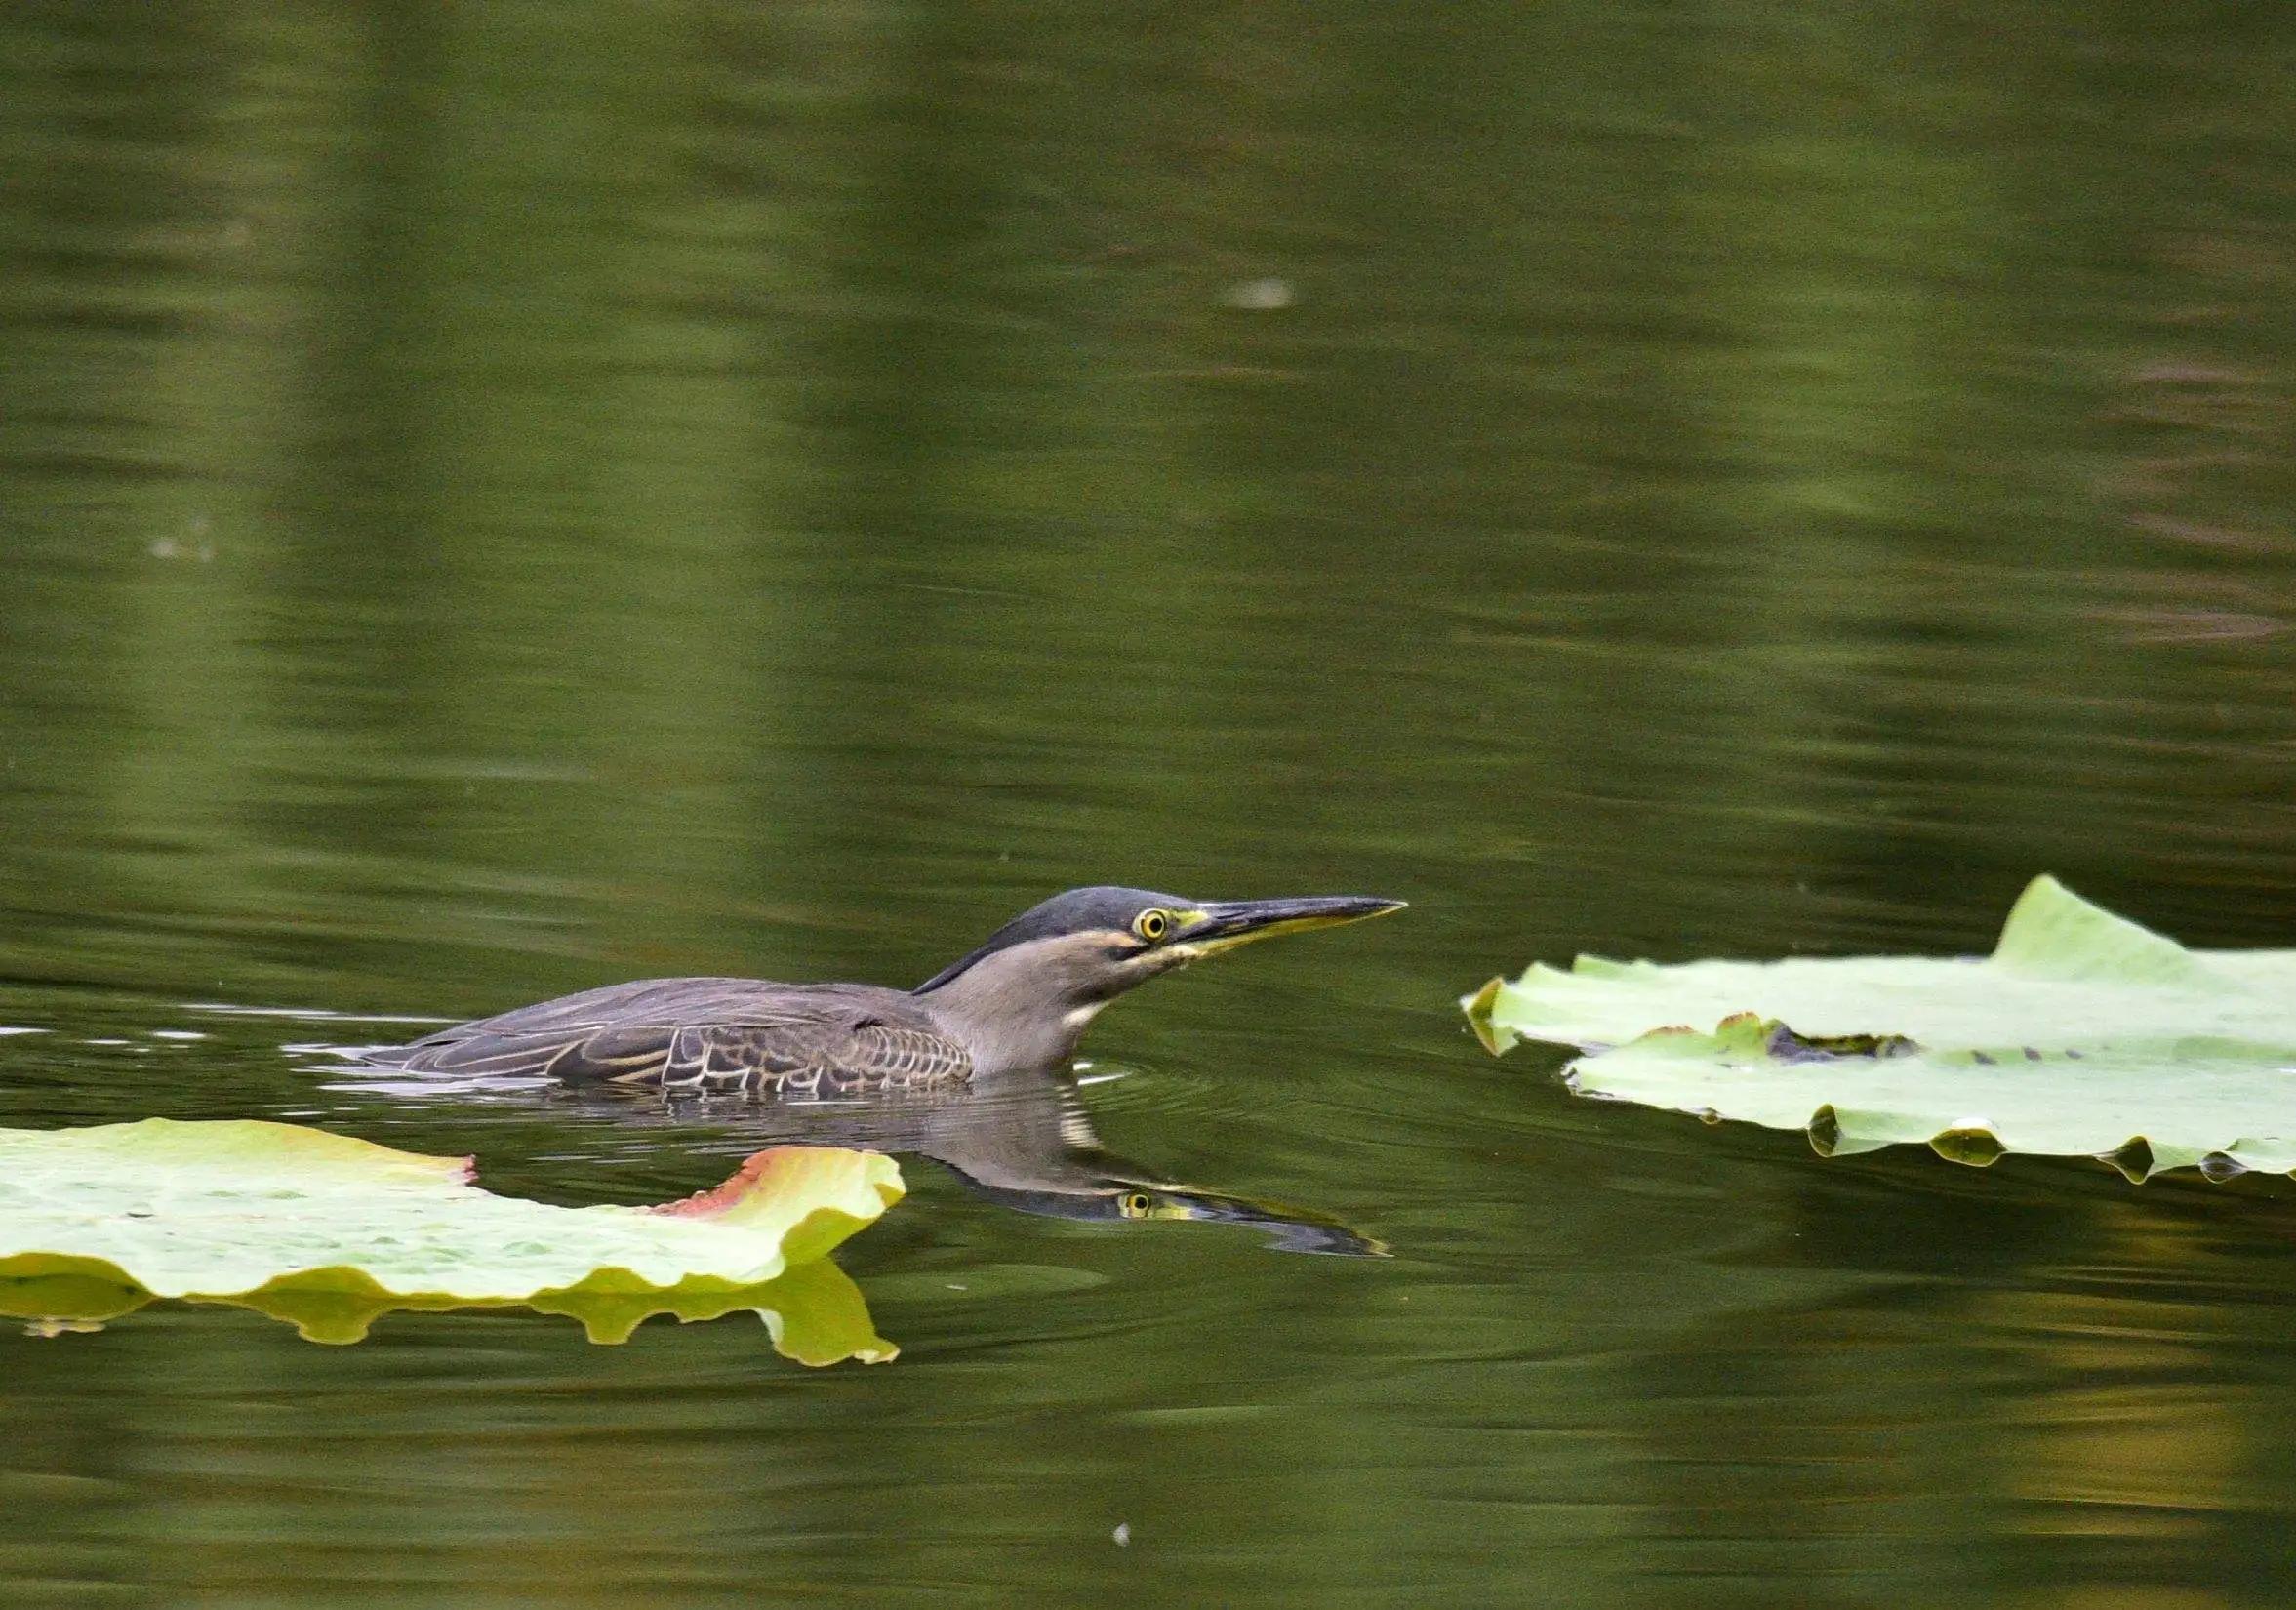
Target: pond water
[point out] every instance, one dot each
(516, 497)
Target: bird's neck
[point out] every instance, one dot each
(1009, 1015)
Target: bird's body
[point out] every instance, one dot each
(709, 1035)
(1020, 1000)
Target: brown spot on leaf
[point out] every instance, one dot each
(718, 1200)
(1786, 1046)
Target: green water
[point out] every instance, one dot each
(496, 500)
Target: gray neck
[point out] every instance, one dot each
(1026, 1006)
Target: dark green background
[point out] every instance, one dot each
(497, 499)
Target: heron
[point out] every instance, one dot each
(1019, 999)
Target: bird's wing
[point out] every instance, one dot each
(704, 1034)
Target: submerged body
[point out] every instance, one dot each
(707, 1035)
(1020, 1000)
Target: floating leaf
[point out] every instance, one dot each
(2083, 1033)
(329, 1232)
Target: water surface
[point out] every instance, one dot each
(501, 503)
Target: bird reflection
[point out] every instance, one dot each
(1025, 1141)
(1021, 1137)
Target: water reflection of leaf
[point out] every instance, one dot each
(814, 1313)
(327, 1234)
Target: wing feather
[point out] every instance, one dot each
(703, 1034)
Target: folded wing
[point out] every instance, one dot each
(706, 1035)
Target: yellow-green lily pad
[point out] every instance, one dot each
(2083, 1033)
(328, 1232)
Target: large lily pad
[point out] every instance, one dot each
(2083, 1033)
(329, 1231)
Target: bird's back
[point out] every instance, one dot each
(706, 1035)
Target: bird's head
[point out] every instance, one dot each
(1043, 975)
(1109, 940)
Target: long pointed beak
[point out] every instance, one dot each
(1224, 925)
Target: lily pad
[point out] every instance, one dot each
(2083, 1033)
(328, 1232)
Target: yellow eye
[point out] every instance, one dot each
(1152, 925)
(1135, 1204)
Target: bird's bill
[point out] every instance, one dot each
(1224, 925)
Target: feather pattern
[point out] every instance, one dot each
(704, 1035)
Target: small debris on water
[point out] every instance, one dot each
(1261, 295)
(191, 544)
(49, 1329)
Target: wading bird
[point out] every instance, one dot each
(1020, 1000)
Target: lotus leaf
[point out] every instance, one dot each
(2081, 1033)
(329, 1231)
